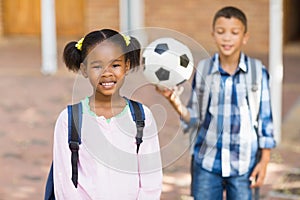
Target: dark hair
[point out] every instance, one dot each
(73, 56)
(229, 12)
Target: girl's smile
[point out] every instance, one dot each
(106, 68)
(108, 85)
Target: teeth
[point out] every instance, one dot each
(107, 84)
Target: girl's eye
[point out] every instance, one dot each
(116, 65)
(97, 67)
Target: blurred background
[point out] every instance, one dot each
(74, 18)
(31, 101)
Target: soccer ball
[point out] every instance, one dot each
(167, 62)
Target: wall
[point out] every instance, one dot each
(101, 14)
(194, 18)
(190, 17)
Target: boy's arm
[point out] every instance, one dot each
(265, 133)
(265, 128)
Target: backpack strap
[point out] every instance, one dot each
(254, 74)
(138, 116)
(74, 140)
(202, 83)
(253, 83)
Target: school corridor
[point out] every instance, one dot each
(30, 103)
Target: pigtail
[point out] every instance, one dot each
(134, 53)
(72, 56)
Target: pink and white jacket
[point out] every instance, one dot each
(108, 168)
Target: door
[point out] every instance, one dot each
(70, 17)
(23, 17)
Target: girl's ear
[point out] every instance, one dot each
(83, 70)
(127, 66)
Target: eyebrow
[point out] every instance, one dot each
(99, 61)
(233, 28)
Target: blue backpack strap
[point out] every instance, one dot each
(138, 116)
(49, 191)
(74, 133)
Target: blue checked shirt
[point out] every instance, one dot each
(227, 143)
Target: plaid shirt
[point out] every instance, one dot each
(227, 142)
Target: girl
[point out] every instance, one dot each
(108, 167)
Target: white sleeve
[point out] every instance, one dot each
(63, 186)
(150, 160)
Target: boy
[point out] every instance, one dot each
(221, 113)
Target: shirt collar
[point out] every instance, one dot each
(242, 63)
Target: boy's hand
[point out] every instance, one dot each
(173, 95)
(166, 92)
(170, 94)
(259, 173)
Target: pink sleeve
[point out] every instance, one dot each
(64, 188)
(150, 161)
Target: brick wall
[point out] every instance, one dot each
(190, 17)
(101, 14)
(194, 18)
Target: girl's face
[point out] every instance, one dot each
(229, 35)
(105, 66)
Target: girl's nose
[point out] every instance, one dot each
(106, 71)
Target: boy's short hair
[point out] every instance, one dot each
(229, 12)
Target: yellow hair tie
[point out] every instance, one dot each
(78, 45)
(126, 39)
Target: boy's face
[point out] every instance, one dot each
(229, 35)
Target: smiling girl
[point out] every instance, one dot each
(108, 166)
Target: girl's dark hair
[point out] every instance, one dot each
(73, 56)
(229, 12)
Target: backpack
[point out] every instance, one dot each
(74, 132)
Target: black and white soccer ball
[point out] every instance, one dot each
(167, 62)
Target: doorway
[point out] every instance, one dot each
(291, 21)
(23, 17)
